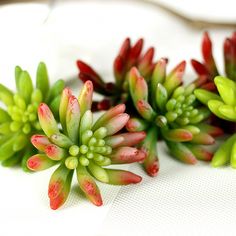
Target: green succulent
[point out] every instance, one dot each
(18, 115)
(224, 107)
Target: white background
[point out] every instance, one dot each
(181, 200)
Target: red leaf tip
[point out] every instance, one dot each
(54, 189)
(33, 163)
(153, 169)
(55, 203)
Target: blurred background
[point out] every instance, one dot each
(61, 31)
(58, 32)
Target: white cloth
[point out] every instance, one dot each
(181, 200)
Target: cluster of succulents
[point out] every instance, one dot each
(19, 120)
(84, 146)
(44, 126)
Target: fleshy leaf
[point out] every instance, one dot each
(42, 81)
(47, 120)
(88, 186)
(40, 162)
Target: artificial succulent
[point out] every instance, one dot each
(224, 107)
(80, 145)
(117, 91)
(18, 118)
(169, 111)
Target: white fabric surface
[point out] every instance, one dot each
(181, 200)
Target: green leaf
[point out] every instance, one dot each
(161, 96)
(227, 89)
(42, 81)
(18, 71)
(6, 95)
(205, 96)
(56, 89)
(222, 155)
(25, 86)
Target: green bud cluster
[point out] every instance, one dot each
(92, 147)
(24, 117)
(181, 107)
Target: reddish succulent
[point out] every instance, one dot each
(116, 92)
(208, 68)
(85, 147)
(207, 71)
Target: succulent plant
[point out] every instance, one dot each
(169, 111)
(18, 120)
(208, 67)
(224, 107)
(85, 147)
(117, 92)
(208, 70)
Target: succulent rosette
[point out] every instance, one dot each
(85, 147)
(18, 119)
(224, 107)
(117, 91)
(169, 111)
(208, 67)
